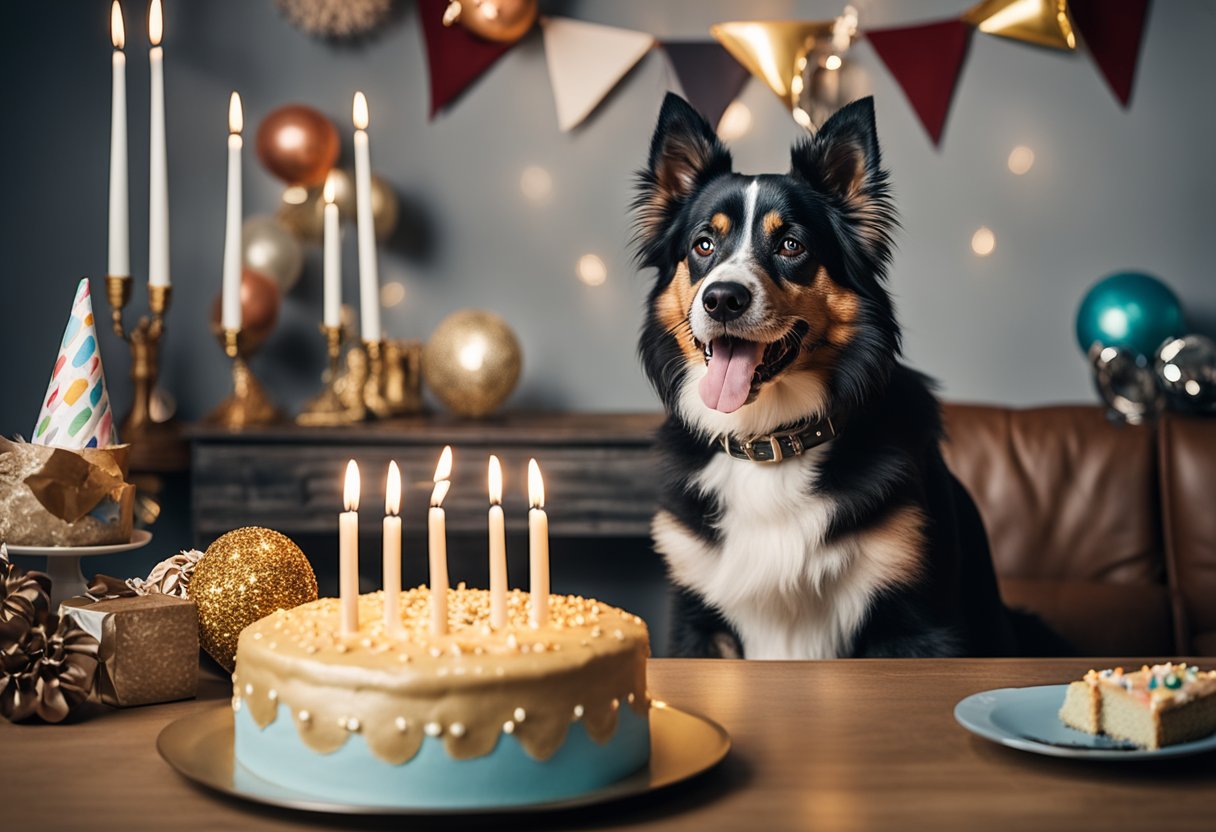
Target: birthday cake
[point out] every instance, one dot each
(479, 716)
(1152, 707)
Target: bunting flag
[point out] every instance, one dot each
(1041, 22)
(925, 61)
(1112, 30)
(586, 60)
(455, 58)
(709, 76)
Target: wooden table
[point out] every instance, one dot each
(841, 745)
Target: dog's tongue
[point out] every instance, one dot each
(728, 382)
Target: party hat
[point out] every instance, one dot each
(76, 411)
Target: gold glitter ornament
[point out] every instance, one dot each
(244, 576)
(472, 362)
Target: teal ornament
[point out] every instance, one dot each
(1129, 310)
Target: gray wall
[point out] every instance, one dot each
(1111, 189)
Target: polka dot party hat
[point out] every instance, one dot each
(76, 411)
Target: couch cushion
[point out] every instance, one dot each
(1188, 482)
(1064, 493)
(1099, 619)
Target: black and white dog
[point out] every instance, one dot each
(806, 511)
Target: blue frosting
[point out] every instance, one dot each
(432, 779)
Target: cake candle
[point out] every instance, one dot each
(120, 232)
(538, 547)
(498, 549)
(348, 552)
(392, 550)
(437, 528)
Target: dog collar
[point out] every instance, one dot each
(775, 447)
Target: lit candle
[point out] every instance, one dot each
(333, 258)
(538, 547)
(369, 277)
(230, 317)
(348, 552)
(437, 527)
(158, 178)
(392, 549)
(120, 232)
(498, 549)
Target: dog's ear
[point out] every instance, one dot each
(843, 162)
(685, 153)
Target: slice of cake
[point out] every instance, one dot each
(1153, 707)
(478, 716)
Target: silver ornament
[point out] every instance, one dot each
(1125, 382)
(1186, 371)
(269, 248)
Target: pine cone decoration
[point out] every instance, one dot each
(25, 595)
(336, 18)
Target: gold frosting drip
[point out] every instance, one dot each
(469, 686)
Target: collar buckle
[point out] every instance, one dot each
(777, 447)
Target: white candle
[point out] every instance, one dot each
(120, 232)
(538, 547)
(348, 552)
(369, 276)
(230, 317)
(438, 540)
(333, 259)
(498, 549)
(392, 550)
(158, 177)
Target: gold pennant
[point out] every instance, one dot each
(1041, 22)
(775, 51)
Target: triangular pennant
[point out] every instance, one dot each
(775, 51)
(709, 76)
(455, 58)
(1041, 22)
(586, 60)
(925, 60)
(76, 409)
(1112, 30)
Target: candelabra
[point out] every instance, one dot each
(248, 405)
(333, 406)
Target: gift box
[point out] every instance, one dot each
(149, 646)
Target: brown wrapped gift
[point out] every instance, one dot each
(59, 497)
(149, 646)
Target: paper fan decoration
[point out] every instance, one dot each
(76, 411)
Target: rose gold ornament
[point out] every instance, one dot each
(260, 299)
(298, 144)
(505, 21)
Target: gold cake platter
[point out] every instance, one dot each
(199, 747)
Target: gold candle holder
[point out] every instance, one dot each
(248, 405)
(403, 377)
(332, 407)
(144, 340)
(375, 386)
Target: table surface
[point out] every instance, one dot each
(839, 745)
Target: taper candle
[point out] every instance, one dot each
(538, 547)
(369, 270)
(230, 307)
(119, 253)
(498, 548)
(392, 550)
(332, 314)
(158, 173)
(438, 544)
(348, 552)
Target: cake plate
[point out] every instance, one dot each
(199, 747)
(63, 563)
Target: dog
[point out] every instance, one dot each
(805, 510)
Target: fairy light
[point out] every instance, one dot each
(983, 241)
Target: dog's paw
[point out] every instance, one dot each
(726, 647)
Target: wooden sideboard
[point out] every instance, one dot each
(598, 469)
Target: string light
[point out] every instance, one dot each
(735, 123)
(983, 241)
(392, 294)
(535, 183)
(1021, 160)
(591, 270)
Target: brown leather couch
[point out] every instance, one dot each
(1107, 531)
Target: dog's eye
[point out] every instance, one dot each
(704, 246)
(791, 247)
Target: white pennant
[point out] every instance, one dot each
(586, 60)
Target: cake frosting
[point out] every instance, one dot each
(410, 708)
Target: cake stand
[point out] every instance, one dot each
(63, 563)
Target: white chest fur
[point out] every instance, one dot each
(788, 594)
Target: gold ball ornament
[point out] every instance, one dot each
(504, 21)
(246, 575)
(472, 362)
(302, 210)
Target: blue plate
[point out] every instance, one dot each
(1027, 719)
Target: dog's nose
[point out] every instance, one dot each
(726, 300)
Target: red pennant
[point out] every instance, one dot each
(925, 60)
(454, 56)
(1112, 31)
